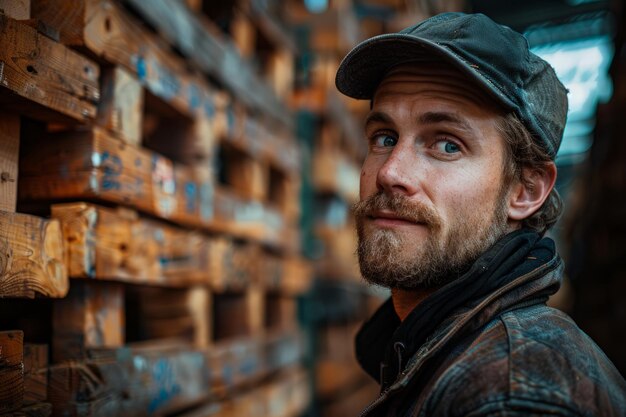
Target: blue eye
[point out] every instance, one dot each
(384, 140)
(447, 146)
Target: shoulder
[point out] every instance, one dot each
(534, 358)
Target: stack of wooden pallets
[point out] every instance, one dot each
(157, 269)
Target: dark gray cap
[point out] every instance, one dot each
(494, 56)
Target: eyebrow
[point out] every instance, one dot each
(377, 117)
(444, 117)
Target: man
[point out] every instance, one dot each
(457, 191)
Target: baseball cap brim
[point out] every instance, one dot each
(362, 70)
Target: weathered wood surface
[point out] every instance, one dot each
(233, 264)
(118, 245)
(121, 104)
(103, 28)
(287, 395)
(31, 257)
(35, 373)
(152, 379)
(167, 313)
(11, 370)
(188, 33)
(9, 157)
(43, 78)
(91, 316)
(108, 244)
(157, 378)
(87, 164)
(15, 9)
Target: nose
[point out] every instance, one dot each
(398, 173)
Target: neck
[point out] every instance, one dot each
(405, 301)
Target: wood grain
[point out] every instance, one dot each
(43, 78)
(35, 373)
(92, 315)
(109, 244)
(31, 257)
(9, 158)
(121, 104)
(11, 370)
(106, 30)
(16, 9)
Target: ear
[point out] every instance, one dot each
(527, 196)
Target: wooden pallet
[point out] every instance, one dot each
(45, 79)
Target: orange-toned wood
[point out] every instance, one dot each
(105, 29)
(181, 314)
(35, 373)
(9, 157)
(31, 257)
(87, 165)
(92, 315)
(15, 9)
(43, 78)
(121, 104)
(11, 370)
(109, 244)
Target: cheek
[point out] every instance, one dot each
(368, 180)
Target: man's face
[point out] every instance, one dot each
(432, 194)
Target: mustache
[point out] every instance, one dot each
(414, 211)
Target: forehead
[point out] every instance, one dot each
(431, 79)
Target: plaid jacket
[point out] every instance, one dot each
(500, 358)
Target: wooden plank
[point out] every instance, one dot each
(15, 9)
(336, 173)
(11, 370)
(194, 194)
(182, 314)
(103, 28)
(188, 33)
(92, 315)
(184, 256)
(35, 373)
(109, 244)
(35, 69)
(83, 165)
(31, 257)
(121, 104)
(9, 157)
(232, 264)
(151, 379)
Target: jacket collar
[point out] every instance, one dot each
(514, 272)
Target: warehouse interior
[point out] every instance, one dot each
(176, 236)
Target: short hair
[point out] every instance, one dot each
(523, 151)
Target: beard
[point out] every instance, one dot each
(387, 258)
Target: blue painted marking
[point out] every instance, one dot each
(141, 68)
(190, 197)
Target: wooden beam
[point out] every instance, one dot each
(43, 78)
(121, 104)
(147, 379)
(35, 373)
(109, 244)
(31, 257)
(9, 156)
(188, 33)
(11, 370)
(106, 30)
(87, 164)
(15, 9)
(119, 245)
(168, 313)
(92, 315)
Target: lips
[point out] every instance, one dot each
(390, 217)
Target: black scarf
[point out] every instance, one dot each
(379, 339)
